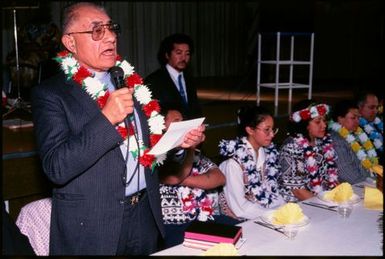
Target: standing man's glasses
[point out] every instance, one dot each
(98, 31)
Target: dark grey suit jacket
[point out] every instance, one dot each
(164, 89)
(80, 154)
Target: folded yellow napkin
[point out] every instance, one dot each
(290, 213)
(373, 199)
(343, 192)
(221, 249)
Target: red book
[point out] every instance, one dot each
(213, 232)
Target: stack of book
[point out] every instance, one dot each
(204, 235)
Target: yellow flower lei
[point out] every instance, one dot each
(360, 143)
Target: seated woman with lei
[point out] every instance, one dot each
(251, 167)
(356, 153)
(307, 157)
(188, 189)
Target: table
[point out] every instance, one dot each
(327, 234)
(23, 178)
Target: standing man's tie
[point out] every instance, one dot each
(181, 89)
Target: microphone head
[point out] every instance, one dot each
(117, 75)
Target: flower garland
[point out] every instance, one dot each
(99, 92)
(310, 113)
(196, 203)
(317, 178)
(359, 142)
(374, 129)
(265, 192)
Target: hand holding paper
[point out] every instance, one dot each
(175, 134)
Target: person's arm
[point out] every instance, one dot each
(70, 140)
(234, 191)
(211, 179)
(179, 161)
(292, 182)
(177, 166)
(302, 194)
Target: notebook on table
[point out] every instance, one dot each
(203, 235)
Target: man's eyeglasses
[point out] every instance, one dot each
(269, 131)
(98, 31)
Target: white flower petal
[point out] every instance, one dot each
(142, 94)
(127, 68)
(296, 117)
(156, 124)
(94, 86)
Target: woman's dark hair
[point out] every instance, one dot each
(341, 108)
(167, 45)
(251, 116)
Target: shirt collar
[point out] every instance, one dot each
(173, 72)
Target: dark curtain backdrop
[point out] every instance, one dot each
(349, 35)
(219, 30)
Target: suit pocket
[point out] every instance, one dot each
(72, 216)
(68, 196)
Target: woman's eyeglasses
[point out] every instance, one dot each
(98, 31)
(269, 131)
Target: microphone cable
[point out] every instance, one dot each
(117, 78)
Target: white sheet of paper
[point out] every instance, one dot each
(174, 135)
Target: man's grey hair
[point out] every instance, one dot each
(70, 14)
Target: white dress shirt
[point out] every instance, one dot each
(132, 162)
(174, 76)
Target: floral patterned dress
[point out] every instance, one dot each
(307, 167)
(182, 204)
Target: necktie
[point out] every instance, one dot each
(181, 89)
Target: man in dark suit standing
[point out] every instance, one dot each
(93, 134)
(171, 83)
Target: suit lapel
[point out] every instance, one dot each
(83, 98)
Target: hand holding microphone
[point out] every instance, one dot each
(120, 103)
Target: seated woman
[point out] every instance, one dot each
(356, 152)
(307, 157)
(188, 189)
(251, 167)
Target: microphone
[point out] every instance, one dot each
(117, 77)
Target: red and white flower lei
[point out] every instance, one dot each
(317, 181)
(310, 112)
(99, 92)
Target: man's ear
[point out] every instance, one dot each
(69, 42)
